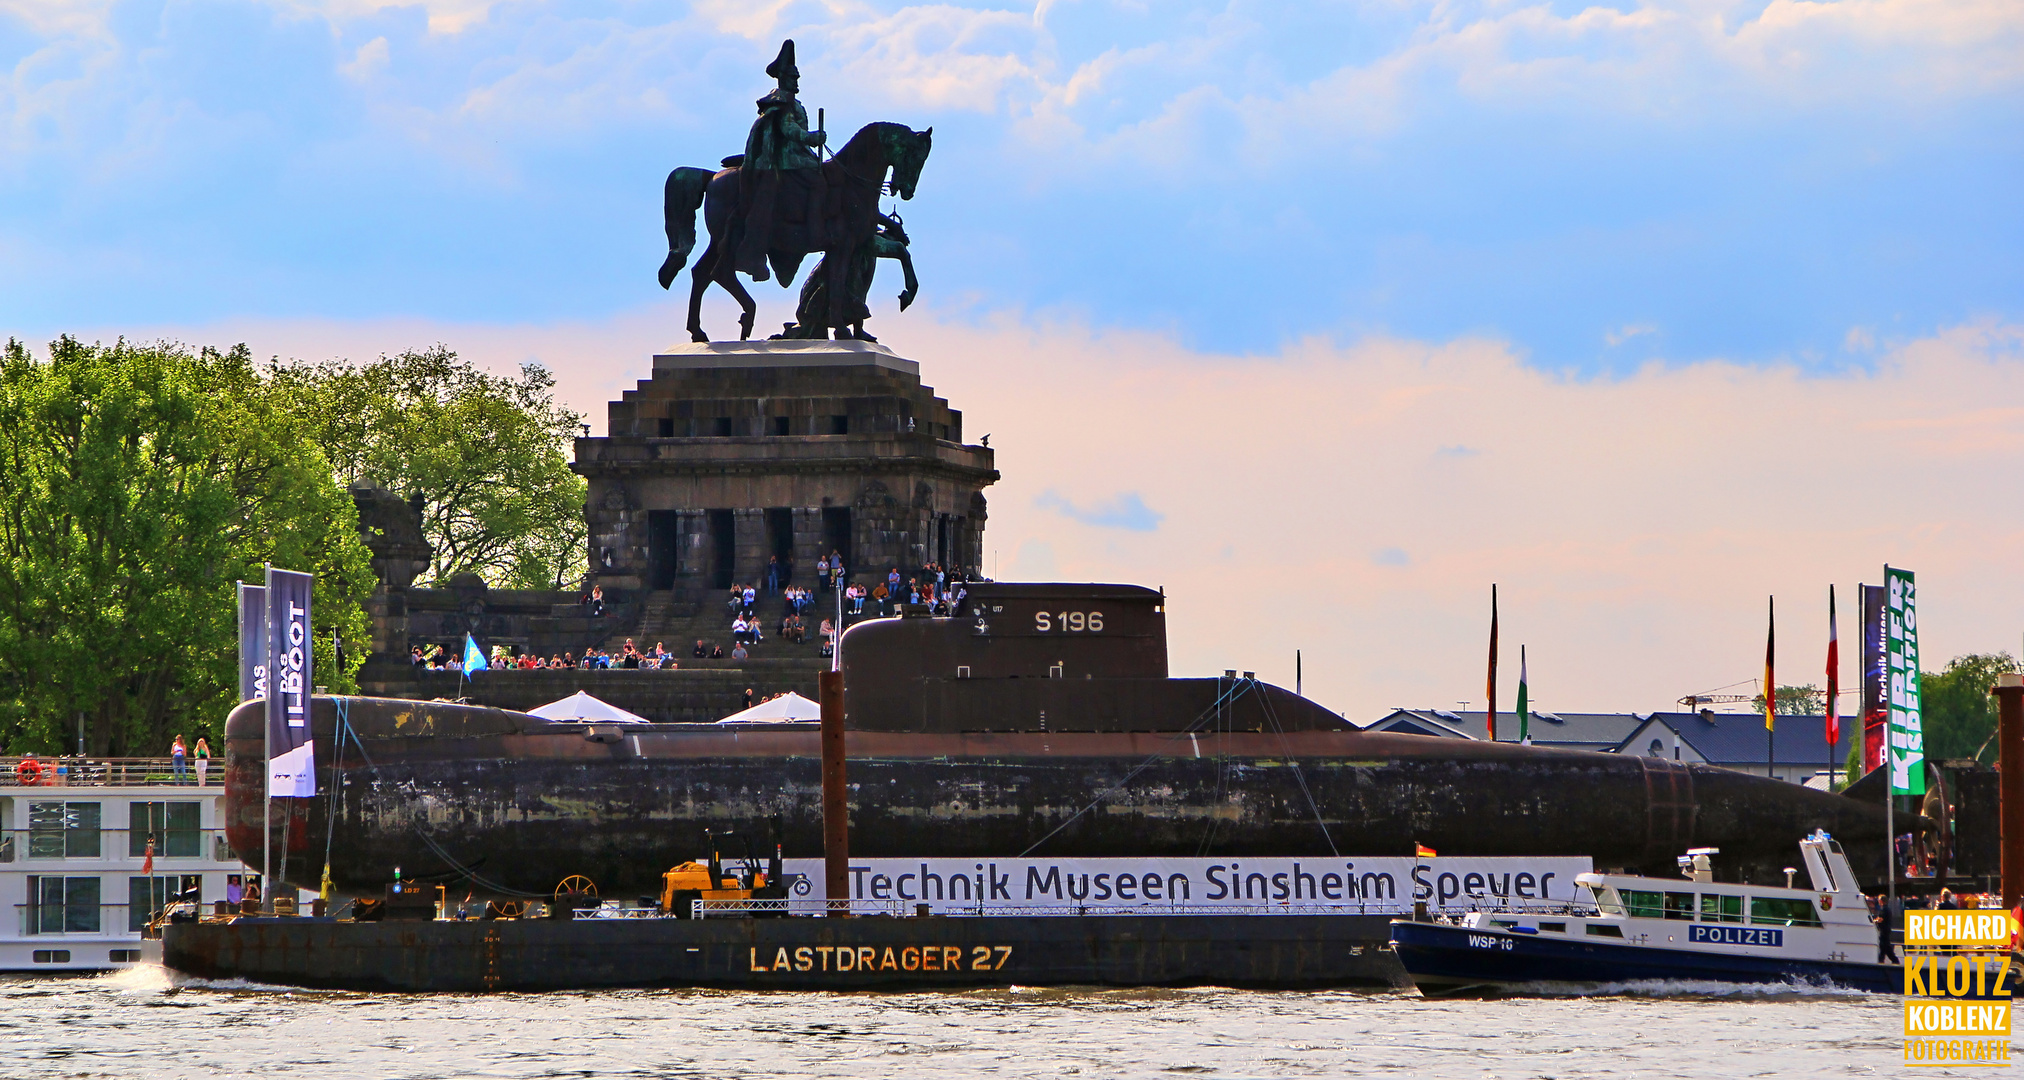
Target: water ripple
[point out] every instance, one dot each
(146, 1023)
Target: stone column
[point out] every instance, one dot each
(920, 526)
(692, 553)
(808, 545)
(617, 531)
(751, 558)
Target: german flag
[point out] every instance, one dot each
(1770, 652)
(1423, 851)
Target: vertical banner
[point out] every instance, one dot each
(252, 641)
(291, 763)
(1874, 716)
(1906, 741)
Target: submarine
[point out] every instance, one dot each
(1040, 720)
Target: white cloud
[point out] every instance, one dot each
(1626, 332)
(370, 60)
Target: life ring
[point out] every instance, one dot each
(28, 773)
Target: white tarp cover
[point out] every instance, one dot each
(581, 706)
(788, 706)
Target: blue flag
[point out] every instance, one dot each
(474, 657)
(291, 756)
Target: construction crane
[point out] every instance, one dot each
(1693, 702)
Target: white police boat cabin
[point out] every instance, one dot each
(1630, 929)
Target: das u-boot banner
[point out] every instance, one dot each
(291, 760)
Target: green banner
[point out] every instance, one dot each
(1905, 742)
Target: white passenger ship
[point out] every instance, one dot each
(75, 877)
(1642, 929)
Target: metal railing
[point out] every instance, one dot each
(107, 772)
(54, 847)
(703, 909)
(79, 920)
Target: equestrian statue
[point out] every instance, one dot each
(779, 201)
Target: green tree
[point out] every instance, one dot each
(137, 483)
(1956, 709)
(1957, 712)
(1808, 700)
(488, 454)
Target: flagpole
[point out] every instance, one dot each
(267, 752)
(1770, 687)
(1830, 723)
(1889, 778)
(1492, 680)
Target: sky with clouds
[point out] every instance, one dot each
(1322, 315)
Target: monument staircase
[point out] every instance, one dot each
(679, 619)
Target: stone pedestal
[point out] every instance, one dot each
(799, 426)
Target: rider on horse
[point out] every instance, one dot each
(780, 143)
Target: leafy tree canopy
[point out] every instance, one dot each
(137, 484)
(488, 454)
(1958, 712)
(1807, 700)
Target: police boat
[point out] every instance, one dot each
(1627, 929)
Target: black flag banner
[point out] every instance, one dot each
(252, 641)
(1875, 710)
(291, 758)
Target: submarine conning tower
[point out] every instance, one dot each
(1049, 657)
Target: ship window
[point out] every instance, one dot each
(1604, 930)
(172, 824)
(665, 427)
(1554, 927)
(721, 426)
(1779, 911)
(124, 956)
(839, 425)
(63, 905)
(1718, 908)
(53, 956)
(60, 830)
(1680, 906)
(146, 896)
(781, 424)
(1639, 904)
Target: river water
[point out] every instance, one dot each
(144, 1023)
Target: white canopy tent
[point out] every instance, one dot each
(581, 706)
(787, 707)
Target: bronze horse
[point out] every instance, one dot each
(856, 177)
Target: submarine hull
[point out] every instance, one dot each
(1041, 722)
(499, 803)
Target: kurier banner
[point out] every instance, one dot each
(252, 641)
(291, 760)
(1906, 744)
(1875, 711)
(1378, 886)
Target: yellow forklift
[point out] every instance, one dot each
(694, 880)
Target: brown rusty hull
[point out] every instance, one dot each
(457, 792)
